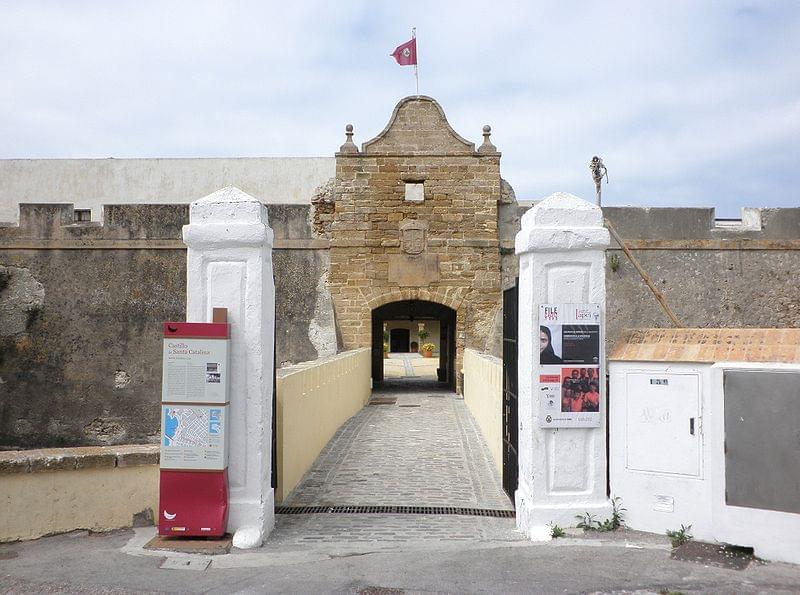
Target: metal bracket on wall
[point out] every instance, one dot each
(657, 294)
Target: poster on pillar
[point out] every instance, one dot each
(569, 365)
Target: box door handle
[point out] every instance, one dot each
(691, 426)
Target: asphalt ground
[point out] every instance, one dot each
(623, 562)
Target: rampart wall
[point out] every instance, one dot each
(712, 273)
(81, 304)
(80, 313)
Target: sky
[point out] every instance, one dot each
(688, 103)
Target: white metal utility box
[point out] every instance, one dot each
(688, 447)
(657, 454)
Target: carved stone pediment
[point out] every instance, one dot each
(418, 125)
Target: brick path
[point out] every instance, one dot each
(424, 450)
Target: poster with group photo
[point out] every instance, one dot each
(569, 365)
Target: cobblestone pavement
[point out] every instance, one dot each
(407, 365)
(423, 450)
(386, 531)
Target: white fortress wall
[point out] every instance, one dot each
(90, 183)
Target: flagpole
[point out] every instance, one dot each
(416, 68)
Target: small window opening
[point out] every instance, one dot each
(82, 215)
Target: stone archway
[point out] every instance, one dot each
(419, 310)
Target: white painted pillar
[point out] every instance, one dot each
(562, 471)
(229, 265)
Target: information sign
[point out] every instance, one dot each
(195, 368)
(569, 370)
(193, 486)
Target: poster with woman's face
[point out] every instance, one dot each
(550, 344)
(569, 365)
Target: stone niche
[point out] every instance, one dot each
(415, 218)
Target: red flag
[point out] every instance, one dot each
(406, 54)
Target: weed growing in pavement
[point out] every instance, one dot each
(680, 536)
(617, 515)
(556, 531)
(588, 522)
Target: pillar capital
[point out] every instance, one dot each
(227, 218)
(560, 222)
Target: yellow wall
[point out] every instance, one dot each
(313, 400)
(99, 499)
(483, 393)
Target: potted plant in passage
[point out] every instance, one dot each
(385, 350)
(427, 349)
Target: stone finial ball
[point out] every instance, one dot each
(487, 128)
(349, 128)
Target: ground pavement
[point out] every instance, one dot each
(420, 447)
(413, 445)
(410, 365)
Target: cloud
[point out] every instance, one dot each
(687, 102)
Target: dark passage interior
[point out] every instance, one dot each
(417, 312)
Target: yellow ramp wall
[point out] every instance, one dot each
(59, 490)
(483, 393)
(313, 400)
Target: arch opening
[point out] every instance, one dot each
(402, 326)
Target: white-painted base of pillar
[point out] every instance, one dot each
(248, 538)
(534, 519)
(254, 521)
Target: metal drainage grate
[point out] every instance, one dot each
(382, 401)
(408, 405)
(429, 510)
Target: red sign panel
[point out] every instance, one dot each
(206, 330)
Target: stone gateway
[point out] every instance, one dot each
(415, 220)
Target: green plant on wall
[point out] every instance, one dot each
(423, 334)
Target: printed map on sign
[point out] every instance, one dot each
(190, 426)
(193, 437)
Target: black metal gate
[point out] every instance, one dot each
(510, 383)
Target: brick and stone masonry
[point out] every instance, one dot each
(452, 257)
